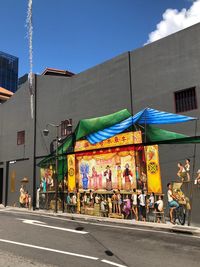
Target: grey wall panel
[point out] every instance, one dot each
(96, 92)
(15, 116)
(165, 66)
(21, 169)
(158, 70)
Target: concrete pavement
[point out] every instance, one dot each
(10, 260)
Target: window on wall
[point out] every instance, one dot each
(21, 138)
(185, 100)
(66, 127)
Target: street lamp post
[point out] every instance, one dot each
(46, 132)
(56, 171)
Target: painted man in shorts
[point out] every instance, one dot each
(173, 204)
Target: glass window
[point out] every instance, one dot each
(185, 100)
(21, 138)
(66, 127)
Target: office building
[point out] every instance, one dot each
(8, 72)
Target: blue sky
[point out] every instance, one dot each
(79, 34)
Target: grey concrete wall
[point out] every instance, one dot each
(96, 92)
(165, 66)
(15, 116)
(21, 169)
(158, 70)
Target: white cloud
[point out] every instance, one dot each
(174, 20)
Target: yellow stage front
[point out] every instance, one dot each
(115, 163)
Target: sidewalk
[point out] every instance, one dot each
(156, 226)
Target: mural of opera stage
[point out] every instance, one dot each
(113, 169)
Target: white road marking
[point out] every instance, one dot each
(43, 224)
(60, 251)
(49, 249)
(30, 221)
(99, 224)
(113, 263)
(115, 226)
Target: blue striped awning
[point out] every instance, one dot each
(145, 116)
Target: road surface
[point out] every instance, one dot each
(37, 240)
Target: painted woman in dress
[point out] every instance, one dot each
(143, 179)
(94, 178)
(128, 176)
(44, 184)
(127, 206)
(187, 168)
(108, 175)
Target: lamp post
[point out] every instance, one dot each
(46, 132)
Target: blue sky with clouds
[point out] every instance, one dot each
(79, 34)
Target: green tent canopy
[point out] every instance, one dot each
(48, 160)
(62, 168)
(84, 128)
(65, 146)
(154, 134)
(151, 135)
(88, 126)
(158, 136)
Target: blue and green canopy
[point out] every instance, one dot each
(147, 116)
(101, 128)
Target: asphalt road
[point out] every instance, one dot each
(36, 240)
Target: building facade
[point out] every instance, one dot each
(4, 95)
(163, 75)
(8, 71)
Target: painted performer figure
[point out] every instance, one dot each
(119, 177)
(84, 170)
(108, 175)
(22, 196)
(94, 178)
(182, 174)
(128, 177)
